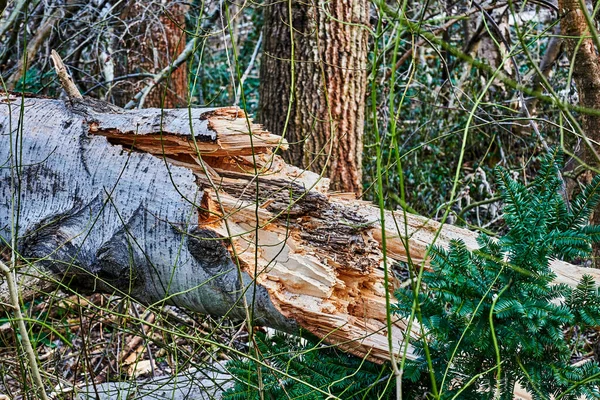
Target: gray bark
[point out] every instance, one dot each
(101, 217)
(205, 384)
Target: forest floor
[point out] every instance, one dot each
(83, 341)
(86, 341)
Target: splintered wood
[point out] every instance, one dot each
(171, 134)
(319, 255)
(316, 258)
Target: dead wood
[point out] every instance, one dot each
(63, 75)
(192, 208)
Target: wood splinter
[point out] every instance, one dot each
(65, 79)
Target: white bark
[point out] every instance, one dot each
(206, 384)
(104, 218)
(187, 208)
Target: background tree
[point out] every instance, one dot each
(581, 42)
(152, 38)
(313, 84)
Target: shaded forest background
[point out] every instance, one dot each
(438, 89)
(449, 91)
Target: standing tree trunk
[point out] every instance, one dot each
(151, 44)
(586, 73)
(313, 83)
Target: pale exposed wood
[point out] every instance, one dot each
(65, 79)
(169, 132)
(106, 219)
(320, 257)
(310, 268)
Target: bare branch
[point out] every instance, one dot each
(65, 79)
(12, 17)
(34, 46)
(248, 69)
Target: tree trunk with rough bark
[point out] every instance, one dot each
(150, 46)
(149, 204)
(586, 74)
(313, 85)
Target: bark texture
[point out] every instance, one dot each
(172, 207)
(204, 384)
(106, 218)
(586, 74)
(151, 46)
(313, 85)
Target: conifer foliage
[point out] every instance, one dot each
(492, 317)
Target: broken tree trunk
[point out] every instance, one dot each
(192, 208)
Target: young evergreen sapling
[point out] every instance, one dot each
(492, 317)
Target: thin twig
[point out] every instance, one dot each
(119, 79)
(187, 52)
(12, 17)
(553, 51)
(33, 47)
(162, 75)
(444, 27)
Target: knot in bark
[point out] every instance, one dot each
(208, 248)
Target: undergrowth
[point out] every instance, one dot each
(493, 316)
(331, 370)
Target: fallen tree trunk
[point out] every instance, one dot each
(192, 208)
